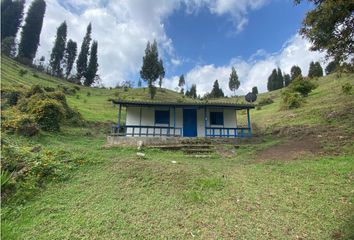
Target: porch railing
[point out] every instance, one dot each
(146, 131)
(227, 132)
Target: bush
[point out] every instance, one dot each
(88, 94)
(49, 89)
(35, 89)
(304, 87)
(291, 99)
(347, 88)
(19, 123)
(49, 113)
(67, 90)
(35, 75)
(77, 88)
(22, 72)
(265, 101)
(12, 97)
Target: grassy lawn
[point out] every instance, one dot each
(122, 196)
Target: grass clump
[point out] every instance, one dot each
(347, 88)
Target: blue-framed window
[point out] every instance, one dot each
(216, 118)
(162, 117)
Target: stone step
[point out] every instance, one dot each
(197, 150)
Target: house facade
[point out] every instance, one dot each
(153, 119)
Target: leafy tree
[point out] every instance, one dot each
(315, 70)
(287, 80)
(331, 67)
(330, 27)
(11, 17)
(234, 83)
(92, 67)
(69, 57)
(56, 57)
(192, 92)
(255, 90)
(181, 83)
(8, 46)
(216, 92)
(162, 72)
(151, 69)
(295, 72)
(31, 30)
(81, 62)
(272, 79)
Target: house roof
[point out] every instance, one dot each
(182, 104)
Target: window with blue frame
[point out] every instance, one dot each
(216, 118)
(162, 117)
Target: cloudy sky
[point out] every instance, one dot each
(201, 39)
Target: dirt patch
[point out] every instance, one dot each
(291, 150)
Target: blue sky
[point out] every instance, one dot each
(201, 39)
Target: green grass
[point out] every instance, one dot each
(123, 196)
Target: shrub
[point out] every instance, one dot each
(22, 72)
(19, 123)
(67, 90)
(265, 101)
(12, 97)
(88, 94)
(304, 87)
(347, 88)
(35, 75)
(49, 89)
(77, 88)
(291, 99)
(49, 113)
(35, 89)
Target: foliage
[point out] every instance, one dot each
(92, 66)
(275, 80)
(255, 90)
(192, 93)
(162, 73)
(216, 92)
(291, 99)
(234, 83)
(287, 80)
(302, 86)
(14, 121)
(69, 57)
(151, 68)
(265, 101)
(295, 72)
(347, 88)
(330, 27)
(22, 72)
(11, 17)
(181, 82)
(81, 62)
(11, 96)
(315, 70)
(8, 46)
(56, 57)
(331, 67)
(31, 30)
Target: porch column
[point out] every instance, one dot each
(119, 113)
(174, 121)
(249, 122)
(140, 121)
(205, 122)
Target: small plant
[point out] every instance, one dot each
(22, 72)
(49, 89)
(77, 96)
(265, 101)
(77, 88)
(291, 99)
(35, 75)
(12, 97)
(347, 88)
(5, 178)
(88, 94)
(35, 90)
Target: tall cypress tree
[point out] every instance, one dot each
(216, 92)
(255, 90)
(81, 63)
(287, 80)
(11, 17)
(56, 57)
(69, 57)
(181, 83)
(162, 72)
(272, 79)
(319, 69)
(192, 92)
(279, 83)
(151, 68)
(234, 83)
(92, 66)
(31, 31)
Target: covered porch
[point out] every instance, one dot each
(200, 119)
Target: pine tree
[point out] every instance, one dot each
(81, 62)
(11, 17)
(315, 70)
(234, 83)
(56, 57)
(287, 80)
(192, 92)
(279, 80)
(216, 92)
(181, 83)
(69, 57)
(92, 67)
(331, 67)
(295, 72)
(151, 69)
(319, 69)
(312, 70)
(255, 90)
(272, 80)
(31, 30)
(162, 72)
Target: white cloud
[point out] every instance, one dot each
(252, 72)
(122, 28)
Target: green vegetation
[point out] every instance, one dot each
(68, 185)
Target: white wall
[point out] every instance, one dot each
(148, 119)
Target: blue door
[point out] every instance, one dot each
(189, 122)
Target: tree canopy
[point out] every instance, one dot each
(11, 17)
(81, 62)
(234, 83)
(70, 55)
(295, 72)
(58, 50)
(92, 67)
(216, 92)
(315, 70)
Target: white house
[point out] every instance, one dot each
(199, 119)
